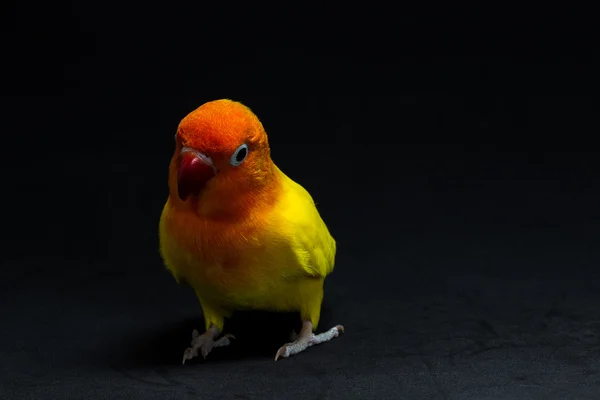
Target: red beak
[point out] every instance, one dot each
(195, 170)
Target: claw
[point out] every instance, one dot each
(281, 352)
(224, 341)
(205, 350)
(187, 355)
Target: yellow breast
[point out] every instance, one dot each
(265, 261)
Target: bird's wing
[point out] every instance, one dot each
(308, 237)
(316, 250)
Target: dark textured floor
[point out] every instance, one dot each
(450, 285)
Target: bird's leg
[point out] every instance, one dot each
(205, 343)
(307, 338)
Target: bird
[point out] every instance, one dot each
(240, 232)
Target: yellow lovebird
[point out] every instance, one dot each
(239, 231)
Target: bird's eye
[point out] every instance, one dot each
(239, 155)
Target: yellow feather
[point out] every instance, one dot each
(280, 265)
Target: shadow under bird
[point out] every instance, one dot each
(239, 231)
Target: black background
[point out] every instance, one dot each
(451, 152)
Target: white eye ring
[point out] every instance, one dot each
(239, 155)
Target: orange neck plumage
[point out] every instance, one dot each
(217, 226)
(229, 199)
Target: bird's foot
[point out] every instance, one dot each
(307, 338)
(205, 343)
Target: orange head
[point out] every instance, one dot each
(221, 148)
